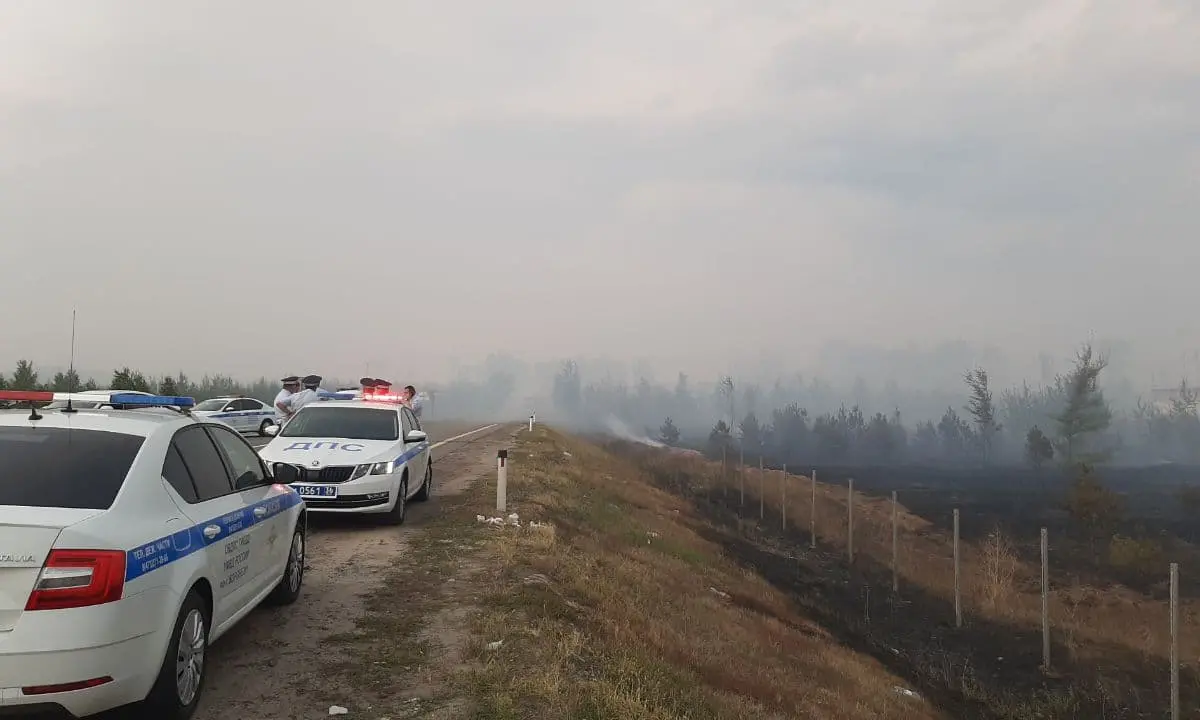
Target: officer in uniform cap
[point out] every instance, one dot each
(291, 384)
(312, 386)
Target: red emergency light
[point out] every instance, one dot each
(26, 396)
(383, 397)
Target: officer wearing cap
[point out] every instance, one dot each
(291, 385)
(312, 386)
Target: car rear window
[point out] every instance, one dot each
(350, 423)
(57, 467)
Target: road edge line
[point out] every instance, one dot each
(463, 435)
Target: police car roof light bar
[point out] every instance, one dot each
(26, 396)
(382, 397)
(29, 396)
(137, 400)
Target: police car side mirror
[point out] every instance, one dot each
(285, 474)
(272, 430)
(415, 436)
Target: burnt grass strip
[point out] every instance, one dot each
(986, 669)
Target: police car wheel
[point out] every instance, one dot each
(288, 589)
(180, 681)
(400, 509)
(426, 485)
(262, 429)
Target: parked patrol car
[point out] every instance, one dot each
(355, 455)
(130, 539)
(244, 414)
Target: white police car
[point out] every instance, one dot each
(130, 539)
(244, 414)
(355, 455)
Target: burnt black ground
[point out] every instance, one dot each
(984, 670)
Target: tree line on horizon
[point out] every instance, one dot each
(1068, 421)
(462, 399)
(26, 377)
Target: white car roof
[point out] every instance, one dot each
(143, 421)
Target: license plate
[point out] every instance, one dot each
(316, 491)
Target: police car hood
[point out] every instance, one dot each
(324, 452)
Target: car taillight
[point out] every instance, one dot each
(79, 578)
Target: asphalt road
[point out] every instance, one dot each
(439, 431)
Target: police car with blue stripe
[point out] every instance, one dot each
(131, 537)
(355, 454)
(244, 414)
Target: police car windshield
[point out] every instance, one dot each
(58, 467)
(211, 405)
(350, 423)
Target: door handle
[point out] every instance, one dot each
(212, 531)
(260, 512)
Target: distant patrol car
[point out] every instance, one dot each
(130, 539)
(244, 414)
(355, 455)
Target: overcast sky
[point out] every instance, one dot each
(229, 186)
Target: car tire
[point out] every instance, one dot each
(426, 485)
(399, 511)
(288, 589)
(172, 697)
(262, 429)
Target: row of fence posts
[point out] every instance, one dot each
(1173, 612)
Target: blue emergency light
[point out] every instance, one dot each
(136, 399)
(326, 395)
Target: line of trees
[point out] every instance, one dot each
(463, 398)
(26, 377)
(1067, 421)
(1075, 410)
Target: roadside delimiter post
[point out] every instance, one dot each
(501, 480)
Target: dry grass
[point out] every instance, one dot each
(623, 610)
(1093, 625)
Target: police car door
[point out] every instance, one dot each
(416, 473)
(244, 415)
(219, 514)
(264, 509)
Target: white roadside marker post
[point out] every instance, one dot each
(501, 480)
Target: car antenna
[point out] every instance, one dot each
(71, 370)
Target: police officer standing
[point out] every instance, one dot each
(312, 386)
(412, 400)
(291, 385)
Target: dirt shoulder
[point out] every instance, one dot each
(612, 606)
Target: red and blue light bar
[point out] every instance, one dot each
(124, 399)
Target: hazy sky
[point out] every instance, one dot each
(231, 186)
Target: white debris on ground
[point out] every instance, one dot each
(513, 520)
(337, 710)
(906, 692)
(722, 595)
(495, 645)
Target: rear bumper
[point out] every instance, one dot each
(124, 641)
